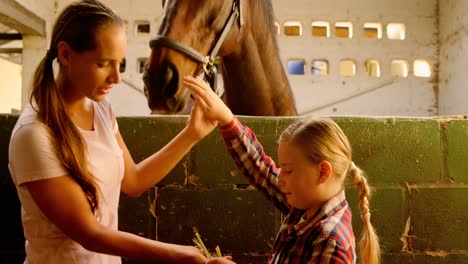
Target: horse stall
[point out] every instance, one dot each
(391, 73)
(416, 166)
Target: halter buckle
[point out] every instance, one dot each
(208, 66)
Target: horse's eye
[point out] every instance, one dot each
(211, 21)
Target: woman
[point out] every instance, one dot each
(67, 157)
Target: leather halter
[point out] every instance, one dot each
(206, 60)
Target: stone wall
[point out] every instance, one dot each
(453, 41)
(417, 167)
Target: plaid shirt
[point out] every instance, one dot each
(327, 237)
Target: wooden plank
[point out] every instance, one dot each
(16, 16)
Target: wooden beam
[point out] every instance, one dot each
(16, 16)
(10, 36)
(11, 50)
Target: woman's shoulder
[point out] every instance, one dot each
(32, 151)
(29, 124)
(28, 115)
(30, 134)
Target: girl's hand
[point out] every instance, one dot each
(212, 106)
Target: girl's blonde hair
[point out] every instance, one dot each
(322, 139)
(77, 25)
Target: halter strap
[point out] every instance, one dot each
(206, 60)
(235, 14)
(180, 47)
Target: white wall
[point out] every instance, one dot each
(453, 57)
(332, 94)
(10, 74)
(337, 95)
(34, 49)
(40, 8)
(134, 102)
(361, 95)
(127, 101)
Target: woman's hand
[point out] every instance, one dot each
(212, 106)
(198, 126)
(185, 254)
(222, 260)
(195, 256)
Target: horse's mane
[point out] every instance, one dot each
(267, 18)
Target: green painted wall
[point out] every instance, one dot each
(418, 168)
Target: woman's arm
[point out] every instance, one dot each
(63, 202)
(138, 178)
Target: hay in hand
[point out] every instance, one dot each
(197, 240)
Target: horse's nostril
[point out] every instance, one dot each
(168, 76)
(161, 86)
(171, 80)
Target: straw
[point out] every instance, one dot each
(197, 240)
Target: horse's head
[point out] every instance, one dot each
(191, 34)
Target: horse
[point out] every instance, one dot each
(193, 33)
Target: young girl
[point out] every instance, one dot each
(67, 157)
(315, 157)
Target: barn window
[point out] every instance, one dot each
(372, 68)
(400, 68)
(396, 31)
(142, 27)
(293, 28)
(348, 68)
(123, 66)
(373, 30)
(296, 66)
(141, 64)
(344, 29)
(320, 29)
(422, 68)
(319, 67)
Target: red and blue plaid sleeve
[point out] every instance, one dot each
(329, 251)
(259, 169)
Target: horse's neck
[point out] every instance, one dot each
(255, 82)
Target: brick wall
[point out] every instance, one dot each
(417, 166)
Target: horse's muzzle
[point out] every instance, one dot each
(161, 89)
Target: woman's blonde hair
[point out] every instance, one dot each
(77, 25)
(322, 139)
